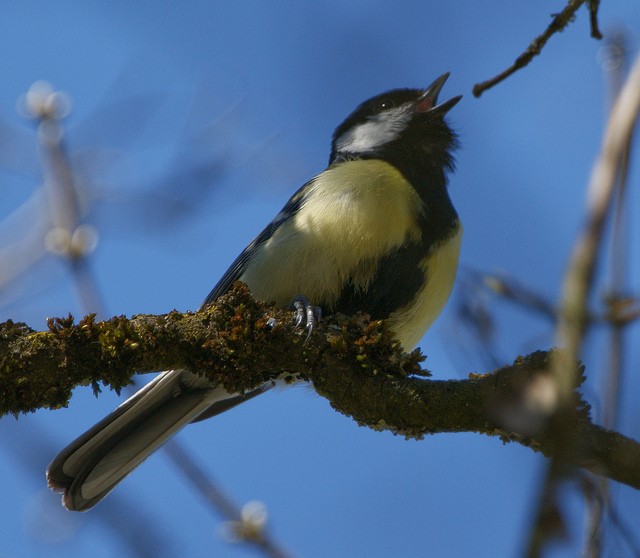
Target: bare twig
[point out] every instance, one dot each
(560, 21)
(245, 528)
(594, 5)
(522, 295)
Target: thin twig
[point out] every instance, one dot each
(560, 21)
(509, 289)
(251, 533)
(594, 5)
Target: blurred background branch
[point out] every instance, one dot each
(578, 284)
(57, 219)
(170, 190)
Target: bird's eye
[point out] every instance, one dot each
(386, 104)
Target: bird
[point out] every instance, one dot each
(375, 232)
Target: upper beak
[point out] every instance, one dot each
(428, 101)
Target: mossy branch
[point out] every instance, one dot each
(351, 361)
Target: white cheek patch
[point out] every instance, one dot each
(378, 130)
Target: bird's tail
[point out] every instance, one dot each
(92, 465)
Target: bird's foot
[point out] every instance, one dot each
(307, 315)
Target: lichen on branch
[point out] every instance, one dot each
(353, 362)
(233, 342)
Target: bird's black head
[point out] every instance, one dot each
(403, 126)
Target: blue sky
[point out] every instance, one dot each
(258, 88)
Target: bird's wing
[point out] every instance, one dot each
(238, 267)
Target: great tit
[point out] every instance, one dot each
(375, 232)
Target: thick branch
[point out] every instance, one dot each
(232, 342)
(353, 363)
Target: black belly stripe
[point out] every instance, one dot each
(399, 276)
(395, 284)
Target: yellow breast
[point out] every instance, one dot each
(352, 214)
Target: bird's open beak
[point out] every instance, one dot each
(428, 101)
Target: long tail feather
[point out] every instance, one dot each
(92, 465)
